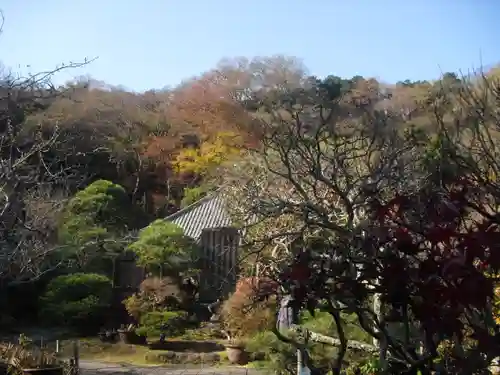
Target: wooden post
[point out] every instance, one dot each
(299, 362)
(377, 309)
(300, 348)
(76, 358)
(113, 271)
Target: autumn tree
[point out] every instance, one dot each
(205, 123)
(209, 155)
(245, 78)
(114, 133)
(408, 99)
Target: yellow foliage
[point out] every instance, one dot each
(492, 175)
(496, 300)
(211, 153)
(496, 305)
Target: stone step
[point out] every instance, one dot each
(187, 346)
(186, 358)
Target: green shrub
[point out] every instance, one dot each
(281, 357)
(366, 366)
(275, 354)
(171, 323)
(162, 246)
(79, 299)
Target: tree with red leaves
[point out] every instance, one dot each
(404, 217)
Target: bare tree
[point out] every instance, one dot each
(312, 180)
(363, 208)
(32, 183)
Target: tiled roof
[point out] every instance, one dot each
(208, 212)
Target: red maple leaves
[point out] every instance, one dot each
(440, 249)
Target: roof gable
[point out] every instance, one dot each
(208, 212)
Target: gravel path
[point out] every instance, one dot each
(100, 368)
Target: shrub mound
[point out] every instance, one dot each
(170, 323)
(81, 300)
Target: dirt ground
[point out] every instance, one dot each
(100, 368)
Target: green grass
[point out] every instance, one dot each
(93, 349)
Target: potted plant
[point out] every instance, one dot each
(241, 317)
(128, 335)
(32, 361)
(236, 353)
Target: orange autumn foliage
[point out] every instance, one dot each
(244, 313)
(207, 106)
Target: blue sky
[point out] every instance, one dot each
(154, 43)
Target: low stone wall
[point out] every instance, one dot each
(180, 358)
(188, 346)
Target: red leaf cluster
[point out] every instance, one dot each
(437, 249)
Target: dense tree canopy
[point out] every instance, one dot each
(96, 222)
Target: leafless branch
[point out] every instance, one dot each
(33, 185)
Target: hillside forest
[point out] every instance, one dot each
(323, 171)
